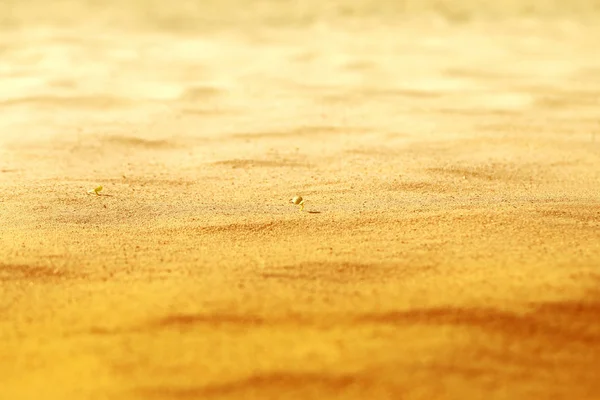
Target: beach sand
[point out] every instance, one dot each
(448, 154)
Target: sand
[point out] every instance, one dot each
(448, 153)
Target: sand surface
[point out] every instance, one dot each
(450, 161)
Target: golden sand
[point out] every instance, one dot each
(448, 156)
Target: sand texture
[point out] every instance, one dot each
(448, 153)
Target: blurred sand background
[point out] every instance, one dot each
(448, 151)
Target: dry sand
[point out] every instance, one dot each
(449, 157)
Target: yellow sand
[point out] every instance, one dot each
(448, 154)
